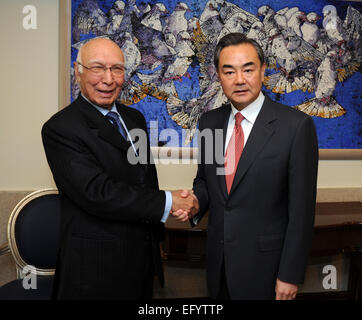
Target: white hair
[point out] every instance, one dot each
(79, 59)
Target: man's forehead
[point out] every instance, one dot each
(102, 48)
(100, 42)
(244, 51)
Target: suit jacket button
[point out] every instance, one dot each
(222, 241)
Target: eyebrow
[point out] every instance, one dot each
(248, 64)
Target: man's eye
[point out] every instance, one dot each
(97, 69)
(117, 69)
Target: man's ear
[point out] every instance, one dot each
(76, 71)
(263, 68)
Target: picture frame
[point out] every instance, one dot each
(191, 153)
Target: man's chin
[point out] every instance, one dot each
(242, 103)
(239, 104)
(106, 103)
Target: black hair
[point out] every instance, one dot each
(234, 39)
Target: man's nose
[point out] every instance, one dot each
(239, 77)
(107, 77)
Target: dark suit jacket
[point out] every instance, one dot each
(111, 210)
(263, 229)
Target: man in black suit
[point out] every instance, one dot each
(112, 212)
(261, 207)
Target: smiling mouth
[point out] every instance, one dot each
(106, 92)
(241, 91)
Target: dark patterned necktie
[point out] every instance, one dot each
(114, 118)
(234, 151)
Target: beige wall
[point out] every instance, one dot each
(29, 95)
(29, 92)
(340, 174)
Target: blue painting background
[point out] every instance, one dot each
(337, 133)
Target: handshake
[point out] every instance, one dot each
(184, 205)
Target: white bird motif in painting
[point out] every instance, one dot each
(153, 18)
(176, 21)
(116, 16)
(211, 10)
(332, 24)
(324, 105)
(184, 53)
(309, 29)
(280, 51)
(233, 24)
(294, 23)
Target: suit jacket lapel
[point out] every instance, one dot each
(223, 124)
(105, 130)
(260, 134)
(129, 122)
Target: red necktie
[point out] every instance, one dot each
(234, 151)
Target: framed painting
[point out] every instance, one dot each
(313, 52)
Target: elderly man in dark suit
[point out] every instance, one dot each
(112, 210)
(261, 197)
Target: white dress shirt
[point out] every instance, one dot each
(249, 113)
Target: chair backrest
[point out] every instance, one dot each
(33, 231)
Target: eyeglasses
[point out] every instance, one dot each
(116, 71)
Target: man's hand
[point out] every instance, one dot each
(184, 205)
(285, 291)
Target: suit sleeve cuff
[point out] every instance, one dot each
(168, 206)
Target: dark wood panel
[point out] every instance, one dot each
(338, 229)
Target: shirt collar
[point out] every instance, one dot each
(100, 109)
(251, 111)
